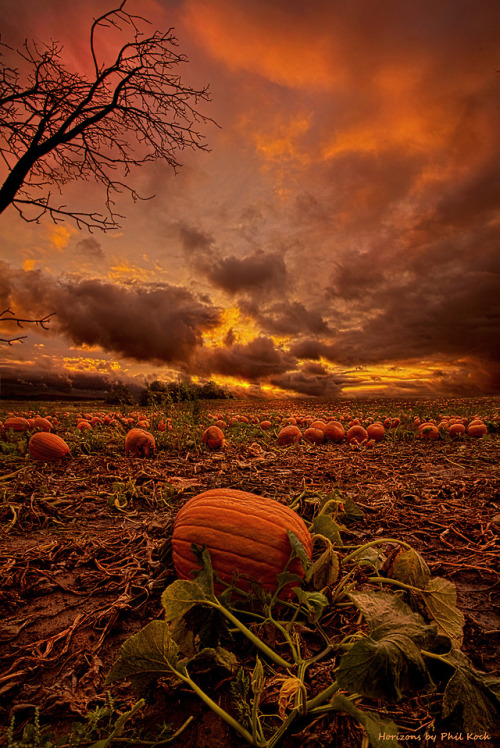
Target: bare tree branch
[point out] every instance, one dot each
(57, 126)
(42, 322)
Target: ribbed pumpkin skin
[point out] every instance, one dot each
(16, 423)
(47, 446)
(213, 437)
(139, 443)
(245, 534)
(42, 423)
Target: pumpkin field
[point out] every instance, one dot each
(299, 573)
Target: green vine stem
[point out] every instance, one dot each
(295, 653)
(395, 583)
(249, 634)
(339, 592)
(375, 542)
(323, 538)
(304, 709)
(186, 678)
(331, 502)
(318, 700)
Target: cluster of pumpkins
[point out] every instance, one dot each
(353, 432)
(43, 444)
(140, 442)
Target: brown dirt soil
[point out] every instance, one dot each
(80, 574)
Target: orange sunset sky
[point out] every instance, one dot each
(340, 239)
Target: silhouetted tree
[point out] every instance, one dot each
(57, 126)
(120, 395)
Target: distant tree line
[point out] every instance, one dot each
(163, 393)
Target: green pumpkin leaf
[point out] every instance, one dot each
(382, 669)
(388, 614)
(380, 733)
(352, 511)
(286, 577)
(208, 657)
(469, 700)
(409, 567)
(298, 550)
(205, 576)
(323, 524)
(440, 598)
(314, 602)
(371, 556)
(179, 597)
(325, 570)
(146, 656)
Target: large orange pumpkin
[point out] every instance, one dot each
(245, 534)
(456, 429)
(477, 428)
(47, 446)
(429, 431)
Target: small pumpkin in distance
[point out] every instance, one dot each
(139, 443)
(213, 437)
(314, 435)
(318, 425)
(428, 431)
(245, 534)
(83, 425)
(357, 434)
(456, 430)
(477, 428)
(289, 435)
(334, 431)
(47, 446)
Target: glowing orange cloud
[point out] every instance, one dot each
(244, 40)
(232, 322)
(59, 235)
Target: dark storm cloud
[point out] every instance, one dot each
(249, 274)
(41, 380)
(286, 318)
(259, 359)
(353, 276)
(456, 315)
(155, 322)
(311, 385)
(195, 242)
(311, 348)
(252, 273)
(90, 248)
